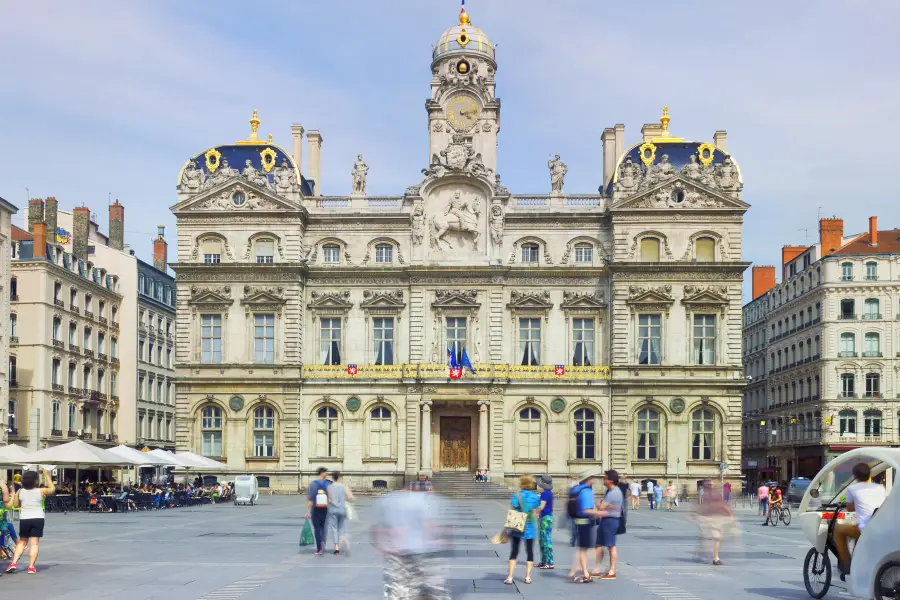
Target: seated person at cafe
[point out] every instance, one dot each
(863, 497)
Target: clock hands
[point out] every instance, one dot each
(471, 112)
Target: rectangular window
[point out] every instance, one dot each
(871, 271)
(331, 254)
(330, 341)
(848, 385)
(650, 339)
(871, 309)
(529, 341)
(150, 353)
(265, 251)
(169, 358)
(264, 338)
(650, 250)
(11, 419)
(141, 387)
(873, 385)
(263, 444)
(14, 330)
(114, 348)
(73, 383)
(847, 271)
(212, 443)
(141, 350)
(159, 388)
(530, 253)
(384, 253)
(705, 339)
(584, 254)
(87, 338)
(73, 334)
(211, 339)
(383, 340)
(456, 337)
(847, 423)
(583, 342)
(212, 259)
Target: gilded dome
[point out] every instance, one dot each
(464, 37)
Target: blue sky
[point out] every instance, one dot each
(100, 98)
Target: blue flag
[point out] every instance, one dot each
(466, 363)
(451, 359)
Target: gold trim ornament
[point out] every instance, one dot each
(463, 38)
(213, 159)
(462, 67)
(706, 153)
(648, 153)
(267, 157)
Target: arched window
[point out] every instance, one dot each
(211, 249)
(530, 253)
(56, 416)
(380, 433)
(327, 432)
(848, 385)
(211, 431)
(584, 253)
(585, 434)
(871, 309)
(647, 434)
(848, 345)
(846, 271)
(872, 423)
(331, 254)
(264, 431)
(529, 434)
(847, 422)
(705, 249)
(873, 345)
(265, 250)
(872, 271)
(703, 427)
(650, 249)
(384, 253)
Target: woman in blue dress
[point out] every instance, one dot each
(526, 501)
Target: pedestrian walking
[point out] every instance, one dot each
(635, 488)
(30, 502)
(421, 484)
(716, 521)
(338, 497)
(763, 495)
(407, 533)
(651, 494)
(609, 512)
(317, 507)
(726, 491)
(526, 500)
(545, 482)
(581, 507)
(573, 529)
(658, 494)
(670, 497)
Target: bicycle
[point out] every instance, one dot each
(779, 513)
(7, 543)
(817, 565)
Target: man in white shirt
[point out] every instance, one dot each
(635, 489)
(864, 498)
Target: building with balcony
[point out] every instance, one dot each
(7, 335)
(602, 329)
(823, 352)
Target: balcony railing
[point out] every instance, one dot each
(871, 394)
(74, 309)
(440, 371)
(102, 320)
(13, 431)
(101, 356)
(847, 354)
(871, 316)
(846, 277)
(59, 303)
(95, 395)
(57, 387)
(56, 432)
(59, 344)
(13, 383)
(74, 348)
(846, 316)
(847, 395)
(75, 390)
(114, 360)
(14, 297)
(88, 352)
(71, 434)
(871, 353)
(13, 339)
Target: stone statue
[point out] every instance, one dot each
(435, 170)
(629, 174)
(497, 224)
(458, 217)
(665, 168)
(418, 225)
(358, 175)
(499, 188)
(692, 170)
(226, 172)
(285, 179)
(476, 167)
(558, 170)
(254, 176)
(726, 175)
(192, 178)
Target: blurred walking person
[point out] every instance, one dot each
(716, 521)
(30, 502)
(317, 507)
(545, 482)
(407, 533)
(338, 497)
(670, 496)
(635, 489)
(651, 494)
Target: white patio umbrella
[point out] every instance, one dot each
(171, 459)
(12, 456)
(143, 459)
(79, 454)
(202, 461)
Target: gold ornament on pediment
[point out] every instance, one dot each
(213, 159)
(648, 153)
(463, 38)
(267, 158)
(706, 152)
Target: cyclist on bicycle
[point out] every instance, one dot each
(775, 498)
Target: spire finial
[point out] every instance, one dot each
(463, 15)
(254, 126)
(664, 120)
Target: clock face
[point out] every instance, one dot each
(462, 112)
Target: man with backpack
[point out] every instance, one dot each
(317, 507)
(581, 508)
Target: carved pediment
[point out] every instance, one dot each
(263, 295)
(583, 301)
(528, 300)
(215, 298)
(450, 299)
(389, 300)
(680, 192)
(650, 298)
(705, 298)
(235, 195)
(330, 300)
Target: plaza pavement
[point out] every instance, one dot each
(228, 552)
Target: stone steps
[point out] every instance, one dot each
(463, 485)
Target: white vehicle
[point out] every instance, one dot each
(875, 563)
(246, 490)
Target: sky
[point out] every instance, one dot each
(106, 100)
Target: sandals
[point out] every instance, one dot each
(508, 581)
(582, 579)
(528, 580)
(546, 567)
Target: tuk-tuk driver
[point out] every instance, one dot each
(864, 498)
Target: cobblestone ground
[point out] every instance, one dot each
(252, 553)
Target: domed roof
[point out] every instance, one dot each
(464, 37)
(264, 156)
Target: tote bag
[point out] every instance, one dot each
(515, 519)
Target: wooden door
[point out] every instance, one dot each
(456, 443)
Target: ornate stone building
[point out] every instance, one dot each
(602, 329)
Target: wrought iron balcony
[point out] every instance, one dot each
(89, 314)
(59, 344)
(56, 432)
(13, 339)
(439, 371)
(74, 348)
(88, 352)
(57, 387)
(871, 353)
(871, 316)
(101, 356)
(847, 354)
(847, 316)
(74, 309)
(102, 320)
(59, 303)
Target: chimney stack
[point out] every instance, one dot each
(314, 139)
(608, 139)
(116, 226)
(35, 213)
(789, 253)
(81, 218)
(50, 213)
(873, 231)
(719, 140)
(831, 234)
(763, 280)
(160, 250)
(297, 135)
(39, 231)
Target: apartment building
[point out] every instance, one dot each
(7, 210)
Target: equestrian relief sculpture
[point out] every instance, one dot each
(460, 217)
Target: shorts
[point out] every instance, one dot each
(31, 528)
(606, 532)
(585, 533)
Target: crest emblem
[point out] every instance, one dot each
(457, 156)
(560, 370)
(352, 369)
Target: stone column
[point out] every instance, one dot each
(426, 437)
(483, 449)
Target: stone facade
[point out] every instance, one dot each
(7, 210)
(603, 330)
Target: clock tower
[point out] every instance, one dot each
(463, 106)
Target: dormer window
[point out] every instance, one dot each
(384, 253)
(331, 254)
(706, 249)
(650, 249)
(212, 251)
(584, 253)
(530, 253)
(265, 251)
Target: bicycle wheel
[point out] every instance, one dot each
(887, 581)
(774, 516)
(817, 573)
(8, 547)
(786, 515)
